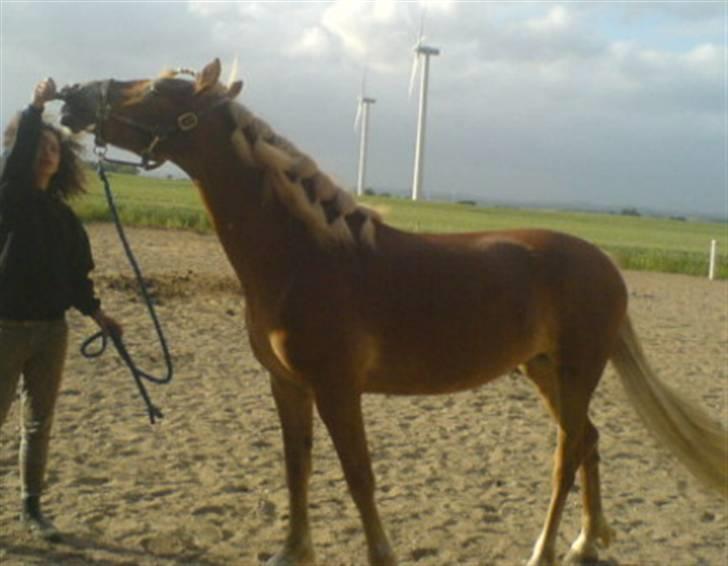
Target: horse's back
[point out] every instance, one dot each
(465, 308)
(542, 260)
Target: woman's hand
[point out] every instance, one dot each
(44, 91)
(108, 325)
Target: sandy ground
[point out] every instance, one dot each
(462, 479)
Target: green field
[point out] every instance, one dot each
(641, 243)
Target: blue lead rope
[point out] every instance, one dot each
(136, 373)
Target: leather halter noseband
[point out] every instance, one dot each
(185, 122)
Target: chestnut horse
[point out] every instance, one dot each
(340, 304)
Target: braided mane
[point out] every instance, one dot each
(329, 212)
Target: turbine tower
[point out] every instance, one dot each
(361, 122)
(422, 53)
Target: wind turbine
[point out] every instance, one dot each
(422, 53)
(361, 122)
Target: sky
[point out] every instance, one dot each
(569, 104)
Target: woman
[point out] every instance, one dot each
(45, 260)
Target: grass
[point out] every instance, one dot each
(145, 201)
(640, 243)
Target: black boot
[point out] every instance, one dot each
(33, 518)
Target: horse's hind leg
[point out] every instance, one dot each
(295, 410)
(567, 396)
(594, 526)
(341, 413)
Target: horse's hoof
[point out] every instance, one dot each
(382, 555)
(585, 551)
(606, 535)
(578, 557)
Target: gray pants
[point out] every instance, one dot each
(37, 350)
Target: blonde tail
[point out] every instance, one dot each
(699, 442)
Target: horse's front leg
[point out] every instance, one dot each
(295, 410)
(341, 412)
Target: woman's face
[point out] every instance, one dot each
(47, 157)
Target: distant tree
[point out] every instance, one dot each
(369, 192)
(630, 212)
(467, 202)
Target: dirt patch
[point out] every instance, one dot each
(462, 479)
(170, 285)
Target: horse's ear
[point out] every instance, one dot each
(208, 76)
(234, 89)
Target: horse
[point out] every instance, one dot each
(339, 304)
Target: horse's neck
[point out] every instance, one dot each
(254, 234)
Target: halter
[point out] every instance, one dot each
(185, 122)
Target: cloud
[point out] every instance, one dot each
(706, 57)
(557, 19)
(380, 34)
(314, 42)
(375, 33)
(605, 102)
(249, 11)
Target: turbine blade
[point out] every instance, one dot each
(421, 36)
(413, 75)
(357, 119)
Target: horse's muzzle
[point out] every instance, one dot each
(80, 107)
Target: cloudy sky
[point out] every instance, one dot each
(591, 103)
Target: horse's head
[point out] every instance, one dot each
(150, 116)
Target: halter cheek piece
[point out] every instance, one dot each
(185, 122)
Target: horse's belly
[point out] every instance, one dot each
(428, 373)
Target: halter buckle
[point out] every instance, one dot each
(187, 121)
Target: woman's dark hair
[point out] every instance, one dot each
(70, 179)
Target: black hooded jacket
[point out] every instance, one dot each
(45, 256)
